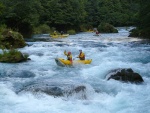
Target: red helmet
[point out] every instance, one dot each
(69, 53)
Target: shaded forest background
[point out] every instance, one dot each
(25, 16)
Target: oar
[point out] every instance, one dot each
(75, 58)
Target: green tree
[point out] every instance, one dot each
(21, 14)
(91, 8)
(144, 17)
(24, 15)
(1, 12)
(1, 8)
(63, 14)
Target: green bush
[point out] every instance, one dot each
(71, 32)
(107, 28)
(2, 28)
(12, 56)
(42, 29)
(86, 28)
(142, 33)
(11, 39)
(134, 33)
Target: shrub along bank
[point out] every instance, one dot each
(9, 42)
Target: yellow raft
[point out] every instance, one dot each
(59, 36)
(63, 62)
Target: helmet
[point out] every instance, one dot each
(69, 53)
(80, 50)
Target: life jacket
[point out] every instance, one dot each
(69, 57)
(82, 56)
(97, 32)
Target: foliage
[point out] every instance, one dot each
(134, 33)
(86, 27)
(2, 28)
(83, 28)
(25, 15)
(10, 39)
(21, 15)
(106, 28)
(115, 12)
(71, 32)
(144, 16)
(1, 8)
(143, 24)
(42, 29)
(13, 56)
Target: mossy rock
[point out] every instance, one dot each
(10, 39)
(71, 32)
(107, 28)
(142, 33)
(13, 56)
(134, 33)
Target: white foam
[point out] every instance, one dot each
(107, 51)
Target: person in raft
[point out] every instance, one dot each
(97, 32)
(55, 33)
(61, 32)
(69, 56)
(81, 55)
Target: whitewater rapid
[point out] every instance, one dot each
(107, 51)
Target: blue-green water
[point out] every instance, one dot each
(108, 52)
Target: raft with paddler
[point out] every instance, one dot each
(70, 62)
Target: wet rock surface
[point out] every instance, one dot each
(125, 75)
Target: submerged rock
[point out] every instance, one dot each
(79, 88)
(125, 75)
(52, 90)
(55, 89)
(79, 91)
(21, 74)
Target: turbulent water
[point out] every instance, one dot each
(107, 51)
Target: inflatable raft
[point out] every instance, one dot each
(64, 62)
(59, 36)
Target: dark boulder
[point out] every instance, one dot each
(44, 88)
(78, 91)
(79, 88)
(54, 91)
(125, 75)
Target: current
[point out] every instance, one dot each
(24, 87)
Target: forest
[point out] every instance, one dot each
(25, 16)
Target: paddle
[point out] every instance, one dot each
(75, 58)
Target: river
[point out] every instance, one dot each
(107, 51)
